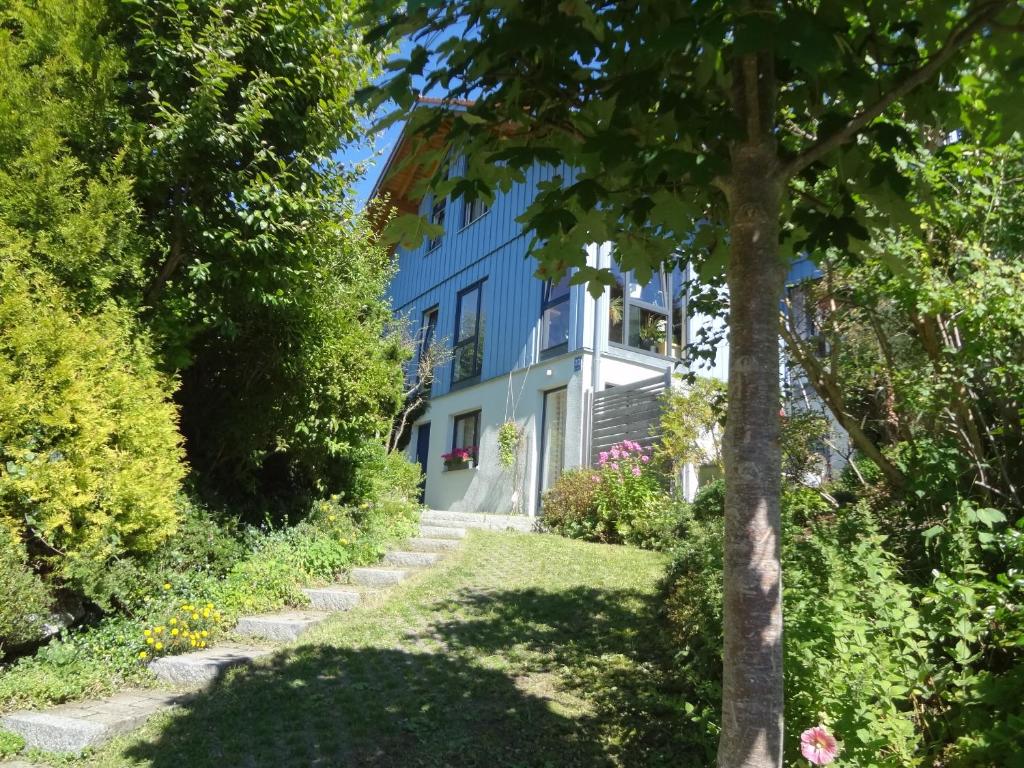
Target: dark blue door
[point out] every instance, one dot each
(422, 453)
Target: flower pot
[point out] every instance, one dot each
(453, 465)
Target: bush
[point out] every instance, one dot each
(853, 643)
(625, 503)
(26, 602)
(90, 457)
(570, 506)
(379, 475)
(10, 744)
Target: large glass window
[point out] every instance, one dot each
(640, 315)
(437, 212)
(468, 353)
(553, 437)
(428, 330)
(554, 318)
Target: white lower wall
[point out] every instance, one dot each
(489, 487)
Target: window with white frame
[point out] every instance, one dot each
(473, 210)
(648, 316)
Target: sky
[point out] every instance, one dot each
(379, 147)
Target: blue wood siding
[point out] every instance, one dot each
(492, 249)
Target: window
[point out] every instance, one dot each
(473, 210)
(437, 217)
(639, 314)
(468, 352)
(554, 316)
(552, 452)
(428, 330)
(466, 435)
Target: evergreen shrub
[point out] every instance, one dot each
(90, 456)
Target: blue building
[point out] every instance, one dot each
(524, 350)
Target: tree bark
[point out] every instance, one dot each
(752, 684)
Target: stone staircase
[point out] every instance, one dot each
(79, 725)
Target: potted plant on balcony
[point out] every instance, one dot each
(460, 458)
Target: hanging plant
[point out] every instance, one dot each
(508, 443)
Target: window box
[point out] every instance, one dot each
(452, 466)
(459, 458)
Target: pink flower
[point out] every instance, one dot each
(818, 745)
(645, 459)
(602, 457)
(615, 453)
(615, 466)
(636, 471)
(595, 478)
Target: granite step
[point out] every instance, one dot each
(411, 559)
(333, 598)
(441, 532)
(84, 724)
(439, 518)
(284, 626)
(378, 577)
(200, 668)
(423, 544)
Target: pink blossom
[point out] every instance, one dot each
(615, 453)
(636, 471)
(818, 745)
(595, 478)
(615, 466)
(602, 457)
(645, 459)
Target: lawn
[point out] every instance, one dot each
(521, 650)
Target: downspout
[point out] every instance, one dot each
(595, 367)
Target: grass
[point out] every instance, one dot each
(522, 650)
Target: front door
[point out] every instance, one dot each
(552, 447)
(422, 454)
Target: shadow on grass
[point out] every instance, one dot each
(527, 678)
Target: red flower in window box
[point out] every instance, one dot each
(460, 458)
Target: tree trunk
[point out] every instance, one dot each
(752, 692)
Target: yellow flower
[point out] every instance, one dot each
(167, 585)
(193, 642)
(202, 645)
(210, 606)
(204, 633)
(173, 621)
(143, 654)
(331, 518)
(149, 641)
(174, 632)
(159, 646)
(147, 632)
(364, 505)
(344, 542)
(195, 616)
(158, 630)
(206, 613)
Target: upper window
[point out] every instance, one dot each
(428, 330)
(554, 318)
(473, 210)
(639, 314)
(468, 352)
(437, 212)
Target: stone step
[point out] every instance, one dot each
(423, 544)
(439, 518)
(284, 626)
(201, 668)
(411, 559)
(441, 532)
(74, 727)
(378, 577)
(333, 598)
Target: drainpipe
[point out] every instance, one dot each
(595, 364)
